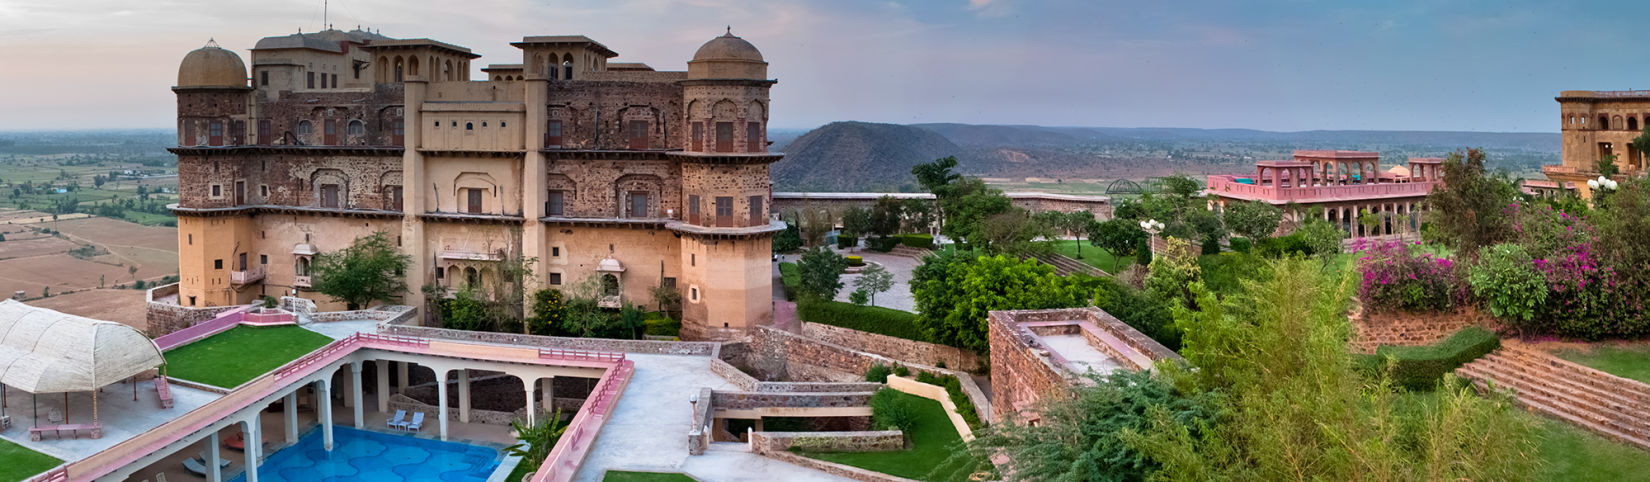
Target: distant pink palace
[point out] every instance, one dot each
(1342, 183)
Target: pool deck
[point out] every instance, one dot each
(121, 417)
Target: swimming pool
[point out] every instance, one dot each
(372, 456)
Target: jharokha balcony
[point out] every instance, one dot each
(249, 275)
(1328, 176)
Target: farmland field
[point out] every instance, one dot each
(81, 254)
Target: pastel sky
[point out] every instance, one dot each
(1479, 65)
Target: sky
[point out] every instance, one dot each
(1288, 65)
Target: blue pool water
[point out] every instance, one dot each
(372, 456)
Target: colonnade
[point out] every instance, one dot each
(1397, 218)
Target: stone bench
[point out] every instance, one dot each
(164, 391)
(74, 430)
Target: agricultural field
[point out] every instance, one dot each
(56, 258)
(118, 174)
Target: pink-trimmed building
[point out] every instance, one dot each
(1342, 183)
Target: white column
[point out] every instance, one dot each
(291, 403)
(214, 468)
(532, 415)
(441, 400)
(464, 396)
(547, 386)
(383, 391)
(355, 396)
(253, 443)
(324, 398)
(401, 374)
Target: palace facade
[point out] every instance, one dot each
(1593, 125)
(1343, 184)
(607, 173)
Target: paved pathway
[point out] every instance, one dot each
(648, 431)
(899, 296)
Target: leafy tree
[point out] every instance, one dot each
(859, 297)
(1622, 220)
(1000, 283)
(1143, 252)
(821, 272)
(1607, 166)
(856, 222)
(669, 298)
(1129, 209)
(536, 440)
(1468, 211)
(1172, 272)
(466, 310)
(936, 176)
(885, 216)
(549, 309)
(874, 279)
(968, 206)
(1253, 219)
(932, 287)
(789, 240)
(815, 224)
(1322, 238)
(98, 181)
(1080, 435)
(1012, 231)
(1077, 223)
(369, 269)
(1293, 407)
(1120, 237)
(1506, 280)
(919, 215)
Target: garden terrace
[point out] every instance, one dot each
(1037, 351)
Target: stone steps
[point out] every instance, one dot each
(1065, 265)
(1611, 406)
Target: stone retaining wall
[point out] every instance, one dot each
(907, 351)
(700, 434)
(163, 317)
(753, 400)
(877, 441)
(777, 354)
(690, 348)
(1371, 330)
(750, 384)
(836, 469)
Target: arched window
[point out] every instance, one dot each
(610, 285)
(469, 126)
(472, 277)
(1633, 123)
(302, 266)
(304, 130)
(567, 66)
(400, 69)
(1603, 123)
(357, 128)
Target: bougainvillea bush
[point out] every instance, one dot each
(1586, 297)
(1398, 277)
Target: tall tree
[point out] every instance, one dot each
(1119, 237)
(885, 216)
(1469, 211)
(992, 283)
(369, 269)
(1252, 219)
(821, 272)
(1077, 223)
(856, 222)
(874, 279)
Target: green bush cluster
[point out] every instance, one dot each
(878, 373)
(855, 260)
(917, 240)
(845, 241)
(790, 277)
(883, 244)
(890, 411)
(1281, 246)
(965, 406)
(657, 324)
(1420, 367)
(1241, 245)
(870, 319)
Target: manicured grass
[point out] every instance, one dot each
(1570, 453)
(623, 476)
(1093, 255)
(933, 440)
(19, 463)
(241, 354)
(1626, 361)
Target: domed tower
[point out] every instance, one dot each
(213, 98)
(726, 191)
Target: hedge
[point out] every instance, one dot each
(855, 260)
(883, 244)
(791, 277)
(660, 325)
(915, 240)
(870, 319)
(1240, 245)
(1419, 367)
(953, 387)
(845, 242)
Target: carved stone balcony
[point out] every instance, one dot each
(246, 276)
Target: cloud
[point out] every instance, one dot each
(990, 8)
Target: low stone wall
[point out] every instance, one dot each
(936, 393)
(749, 383)
(907, 351)
(1371, 330)
(877, 441)
(782, 355)
(721, 400)
(164, 317)
(700, 434)
(836, 469)
(691, 348)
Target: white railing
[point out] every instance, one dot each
(246, 276)
(300, 281)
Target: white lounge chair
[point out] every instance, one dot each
(399, 421)
(416, 423)
(201, 457)
(194, 466)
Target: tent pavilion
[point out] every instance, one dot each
(45, 351)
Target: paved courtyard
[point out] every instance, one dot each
(899, 296)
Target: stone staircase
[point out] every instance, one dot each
(1606, 404)
(910, 252)
(1065, 265)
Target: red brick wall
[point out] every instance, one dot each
(1371, 330)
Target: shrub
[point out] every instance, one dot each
(953, 387)
(878, 373)
(270, 301)
(1509, 285)
(902, 371)
(791, 278)
(869, 319)
(660, 325)
(821, 273)
(844, 241)
(1240, 245)
(1284, 246)
(1395, 277)
(1222, 272)
(1211, 245)
(855, 260)
(921, 241)
(1420, 367)
(883, 244)
(789, 240)
(892, 411)
(859, 297)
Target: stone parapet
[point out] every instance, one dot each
(874, 441)
(722, 400)
(689, 348)
(164, 315)
(903, 350)
(1373, 329)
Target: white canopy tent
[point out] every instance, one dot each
(45, 351)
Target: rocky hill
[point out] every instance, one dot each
(858, 156)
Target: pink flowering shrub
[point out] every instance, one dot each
(1397, 277)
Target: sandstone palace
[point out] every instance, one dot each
(602, 171)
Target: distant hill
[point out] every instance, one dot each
(865, 156)
(849, 156)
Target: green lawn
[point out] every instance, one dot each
(932, 442)
(1626, 361)
(236, 356)
(623, 476)
(1092, 255)
(1570, 453)
(19, 463)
